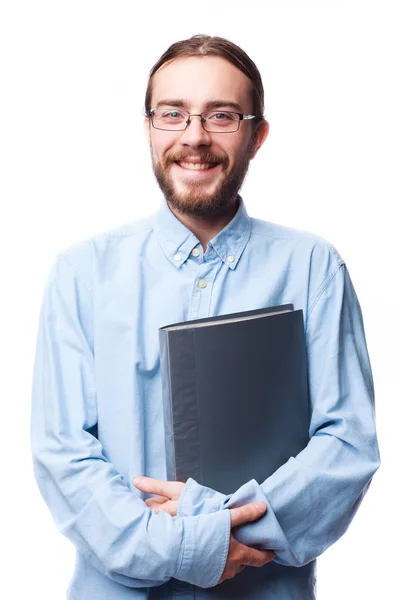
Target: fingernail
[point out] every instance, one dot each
(137, 479)
(259, 505)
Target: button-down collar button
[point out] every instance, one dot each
(177, 257)
(231, 258)
(202, 283)
(196, 252)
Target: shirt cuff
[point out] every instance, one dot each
(205, 548)
(197, 499)
(264, 534)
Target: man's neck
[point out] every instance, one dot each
(205, 228)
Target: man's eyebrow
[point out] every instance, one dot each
(222, 103)
(169, 102)
(178, 103)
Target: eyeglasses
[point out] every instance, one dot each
(172, 119)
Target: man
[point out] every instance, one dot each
(97, 415)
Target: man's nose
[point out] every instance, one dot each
(194, 134)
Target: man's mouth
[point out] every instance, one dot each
(196, 166)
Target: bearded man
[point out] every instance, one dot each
(97, 414)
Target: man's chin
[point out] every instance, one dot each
(198, 206)
(197, 198)
(192, 199)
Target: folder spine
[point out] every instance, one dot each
(167, 412)
(181, 409)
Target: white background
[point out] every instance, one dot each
(74, 162)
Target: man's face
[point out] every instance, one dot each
(197, 81)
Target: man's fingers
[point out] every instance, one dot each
(257, 558)
(169, 489)
(171, 506)
(241, 556)
(156, 500)
(151, 486)
(246, 513)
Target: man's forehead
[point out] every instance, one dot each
(201, 80)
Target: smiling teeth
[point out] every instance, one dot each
(196, 166)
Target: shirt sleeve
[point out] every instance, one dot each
(313, 497)
(88, 499)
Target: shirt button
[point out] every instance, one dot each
(196, 252)
(177, 257)
(231, 258)
(202, 283)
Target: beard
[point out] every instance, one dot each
(195, 200)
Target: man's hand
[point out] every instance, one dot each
(239, 555)
(168, 492)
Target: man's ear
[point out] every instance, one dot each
(259, 137)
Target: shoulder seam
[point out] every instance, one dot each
(325, 284)
(78, 272)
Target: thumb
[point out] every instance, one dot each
(247, 513)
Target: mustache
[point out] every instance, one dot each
(206, 157)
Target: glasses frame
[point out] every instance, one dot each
(242, 117)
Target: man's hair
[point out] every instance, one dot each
(206, 45)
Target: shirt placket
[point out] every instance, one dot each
(203, 283)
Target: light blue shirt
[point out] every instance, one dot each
(97, 416)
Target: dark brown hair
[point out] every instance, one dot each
(206, 45)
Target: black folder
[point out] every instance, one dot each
(235, 396)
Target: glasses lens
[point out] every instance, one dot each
(171, 119)
(219, 122)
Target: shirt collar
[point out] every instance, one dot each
(177, 241)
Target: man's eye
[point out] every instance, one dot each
(221, 116)
(172, 114)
